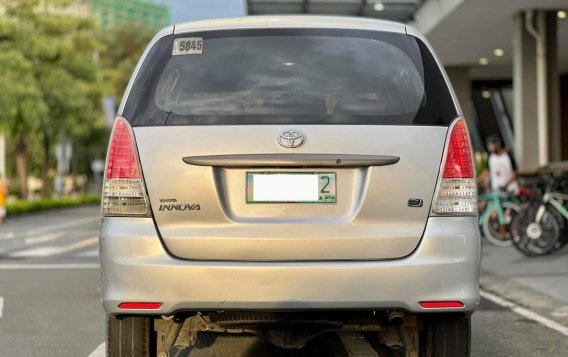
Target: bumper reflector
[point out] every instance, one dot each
(140, 305)
(440, 304)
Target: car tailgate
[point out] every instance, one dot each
(202, 212)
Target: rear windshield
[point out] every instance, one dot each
(289, 77)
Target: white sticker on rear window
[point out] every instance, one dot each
(188, 46)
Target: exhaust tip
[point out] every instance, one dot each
(396, 317)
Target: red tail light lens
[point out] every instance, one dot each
(456, 194)
(458, 158)
(122, 162)
(124, 192)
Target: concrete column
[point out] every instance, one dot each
(459, 76)
(529, 120)
(553, 80)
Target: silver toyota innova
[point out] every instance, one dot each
(285, 177)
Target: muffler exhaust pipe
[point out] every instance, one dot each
(396, 317)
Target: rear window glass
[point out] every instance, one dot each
(290, 77)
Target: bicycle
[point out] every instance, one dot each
(497, 216)
(537, 230)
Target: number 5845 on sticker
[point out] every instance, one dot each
(188, 46)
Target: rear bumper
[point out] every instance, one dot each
(136, 268)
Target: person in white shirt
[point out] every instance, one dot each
(502, 173)
(502, 168)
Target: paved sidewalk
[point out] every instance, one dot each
(539, 283)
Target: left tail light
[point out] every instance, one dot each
(124, 192)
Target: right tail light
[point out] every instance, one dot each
(456, 194)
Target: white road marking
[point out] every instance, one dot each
(8, 235)
(49, 266)
(560, 312)
(99, 351)
(529, 314)
(83, 243)
(38, 252)
(88, 253)
(43, 238)
(54, 250)
(56, 226)
(1, 305)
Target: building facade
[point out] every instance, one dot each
(112, 13)
(507, 61)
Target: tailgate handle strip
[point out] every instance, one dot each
(291, 160)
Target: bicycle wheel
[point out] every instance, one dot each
(492, 230)
(532, 238)
(560, 243)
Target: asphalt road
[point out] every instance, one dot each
(50, 304)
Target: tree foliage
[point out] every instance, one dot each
(49, 78)
(60, 49)
(21, 102)
(121, 50)
(54, 69)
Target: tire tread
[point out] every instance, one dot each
(128, 337)
(449, 336)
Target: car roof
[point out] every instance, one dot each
(288, 21)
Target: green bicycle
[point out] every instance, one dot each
(497, 217)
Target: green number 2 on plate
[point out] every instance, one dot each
(326, 179)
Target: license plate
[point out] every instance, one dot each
(291, 187)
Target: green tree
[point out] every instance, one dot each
(50, 78)
(121, 49)
(22, 107)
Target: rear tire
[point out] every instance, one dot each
(446, 336)
(129, 337)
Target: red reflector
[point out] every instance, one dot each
(122, 162)
(440, 304)
(140, 305)
(458, 162)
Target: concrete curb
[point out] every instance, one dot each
(524, 296)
